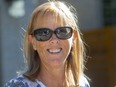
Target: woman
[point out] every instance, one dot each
(53, 49)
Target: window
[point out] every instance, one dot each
(109, 9)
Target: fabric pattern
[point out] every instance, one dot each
(21, 81)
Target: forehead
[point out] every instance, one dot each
(49, 19)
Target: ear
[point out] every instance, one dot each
(32, 41)
(75, 35)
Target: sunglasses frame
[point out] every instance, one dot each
(53, 32)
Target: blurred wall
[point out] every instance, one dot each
(0, 45)
(11, 41)
(90, 13)
(11, 57)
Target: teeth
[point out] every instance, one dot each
(54, 51)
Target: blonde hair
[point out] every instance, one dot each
(66, 14)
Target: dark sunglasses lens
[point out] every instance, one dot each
(43, 34)
(63, 32)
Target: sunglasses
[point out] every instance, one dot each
(44, 34)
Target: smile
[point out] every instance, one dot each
(54, 51)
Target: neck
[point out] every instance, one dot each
(53, 77)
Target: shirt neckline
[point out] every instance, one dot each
(39, 82)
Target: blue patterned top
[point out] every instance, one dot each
(21, 81)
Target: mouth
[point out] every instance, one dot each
(54, 51)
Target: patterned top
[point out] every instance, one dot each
(21, 81)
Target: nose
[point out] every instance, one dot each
(54, 39)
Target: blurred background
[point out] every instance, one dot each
(97, 21)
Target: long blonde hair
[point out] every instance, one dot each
(65, 13)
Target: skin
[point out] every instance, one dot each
(52, 73)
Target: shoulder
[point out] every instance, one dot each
(17, 82)
(83, 82)
(21, 81)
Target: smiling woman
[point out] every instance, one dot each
(53, 49)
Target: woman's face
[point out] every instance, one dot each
(54, 51)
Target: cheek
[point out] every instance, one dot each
(70, 41)
(40, 47)
(68, 45)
